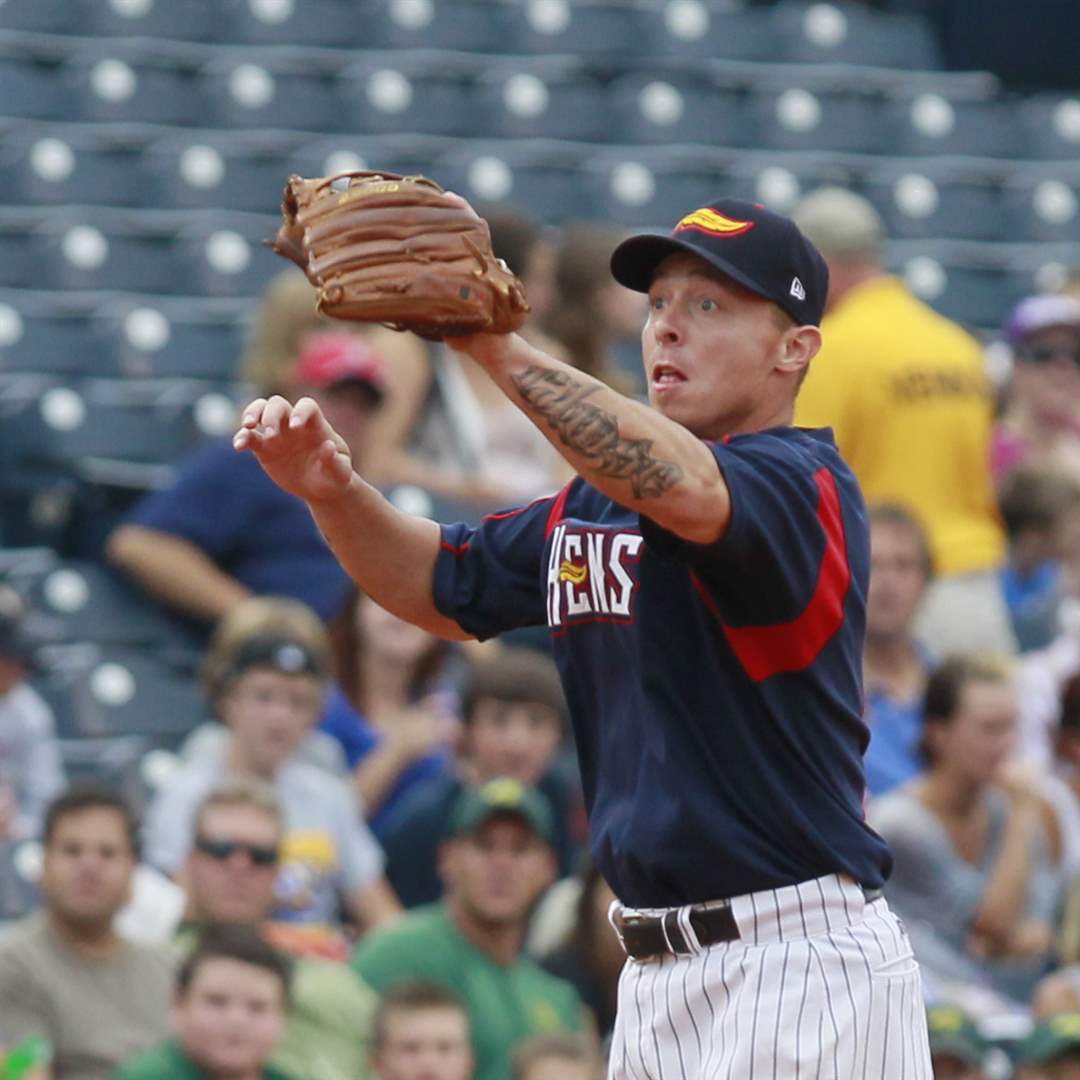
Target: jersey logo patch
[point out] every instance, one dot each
(591, 575)
(709, 221)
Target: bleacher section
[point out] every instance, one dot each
(144, 146)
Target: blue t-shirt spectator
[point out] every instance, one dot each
(225, 504)
(358, 737)
(892, 758)
(1032, 600)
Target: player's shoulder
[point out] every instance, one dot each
(808, 447)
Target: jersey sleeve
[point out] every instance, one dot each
(488, 578)
(784, 547)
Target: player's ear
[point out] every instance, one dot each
(798, 346)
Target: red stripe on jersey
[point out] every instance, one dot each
(557, 510)
(764, 651)
(455, 551)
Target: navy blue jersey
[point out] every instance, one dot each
(715, 690)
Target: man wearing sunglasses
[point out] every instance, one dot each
(230, 874)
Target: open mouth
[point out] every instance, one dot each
(666, 375)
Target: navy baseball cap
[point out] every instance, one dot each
(763, 251)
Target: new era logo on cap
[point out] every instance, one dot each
(797, 289)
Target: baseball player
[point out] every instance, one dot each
(704, 581)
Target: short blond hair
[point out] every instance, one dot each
(241, 790)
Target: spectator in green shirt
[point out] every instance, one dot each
(421, 1033)
(228, 1013)
(229, 875)
(495, 862)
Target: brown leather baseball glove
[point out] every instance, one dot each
(398, 250)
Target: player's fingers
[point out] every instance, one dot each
(306, 413)
(275, 416)
(336, 463)
(252, 413)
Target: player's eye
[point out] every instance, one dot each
(656, 303)
(709, 304)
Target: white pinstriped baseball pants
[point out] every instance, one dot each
(821, 986)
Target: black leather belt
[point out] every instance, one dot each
(646, 936)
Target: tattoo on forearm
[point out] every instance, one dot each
(593, 432)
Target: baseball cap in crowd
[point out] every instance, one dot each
(1041, 312)
(953, 1033)
(763, 251)
(498, 798)
(273, 651)
(332, 357)
(1050, 1039)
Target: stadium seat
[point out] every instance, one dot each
(556, 99)
(224, 254)
(74, 164)
(931, 123)
(405, 154)
(1042, 202)
(848, 33)
(114, 79)
(544, 179)
(805, 116)
(42, 16)
(164, 337)
(101, 691)
(247, 89)
(113, 762)
(780, 181)
(220, 170)
(409, 93)
(461, 25)
(19, 894)
(50, 332)
(709, 30)
(602, 28)
(670, 106)
(18, 261)
(99, 248)
(33, 85)
(183, 20)
(921, 199)
(337, 23)
(1049, 126)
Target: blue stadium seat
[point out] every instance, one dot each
(105, 691)
(556, 99)
(805, 116)
(1049, 125)
(73, 164)
(226, 254)
(166, 338)
(337, 23)
(95, 248)
(848, 33)
(223, 171)
(409, 93)
(183, 20)
(1042, 203)
(19, 894)
(134, 81)
(709, 30)
(923, 199)
(18, 261)
(780, 181)
(405, 154)
(542, 179)
(114, 762)
(581, 28)
(932, 123)
(464, 25)
(32, 84)
(285, 90)
(42, 16)
(669, 106)
(51, 332)
(644, 187)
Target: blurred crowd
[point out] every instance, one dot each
(369, 858)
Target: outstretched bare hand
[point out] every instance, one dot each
(296, 446)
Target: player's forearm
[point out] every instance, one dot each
(175, 571)
(627, 450)
(388, 553)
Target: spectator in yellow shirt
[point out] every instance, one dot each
(906, 394)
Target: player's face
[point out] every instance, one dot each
(88, 865)
(981, 735)
(497, 871)
(230, 879)
(230, 1017)
(897, 580)
(711, 349)
(515, 739)
(424, 1044)
(270, 713)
